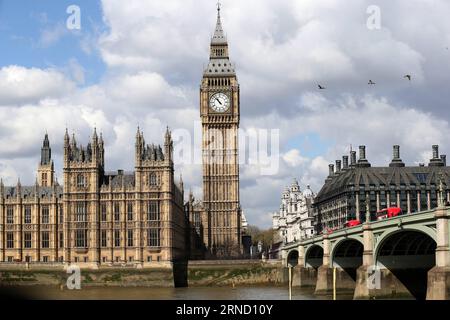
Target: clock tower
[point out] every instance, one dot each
(219, 111)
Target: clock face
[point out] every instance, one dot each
(219, 102)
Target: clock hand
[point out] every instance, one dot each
(218, 101)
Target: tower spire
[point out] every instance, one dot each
(46, 151)
(219, 35)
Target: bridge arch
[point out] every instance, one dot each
(347, 254)
(391, 231)
(292, 258)
(408, 254)
(314, 256)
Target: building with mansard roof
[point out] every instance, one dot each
(96, 217)
(357, 190)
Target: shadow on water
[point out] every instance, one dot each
(415, 280)
(180, 274)
(351, 273)
(11, 293)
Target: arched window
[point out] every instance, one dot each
(152, 180)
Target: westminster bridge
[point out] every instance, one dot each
(402, 256)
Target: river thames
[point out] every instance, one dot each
(193, 293)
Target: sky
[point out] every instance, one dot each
(140, 62)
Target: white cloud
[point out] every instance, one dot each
(155, 50)
(51, 35)
(19, 85)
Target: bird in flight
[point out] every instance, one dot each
(371, 82)
(408, 77)
(321, 87)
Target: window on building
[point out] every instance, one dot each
(103, 212)
(153, 211)
(61, 214)
(80, 212)
(116, 212)
(10, 258)
(28, 259)
(45, 239)
(80, 238)
(149, 259)
(81, 181)
(130, 238)
(27, 215)
(152, 180)
(103, 240)
(10, 215)
(45, 259)
(27, 240)
(10, 240)
(44, 179)
(61, 240)
(130, 212)
(117, 238)
(45, 215)
(153, 237)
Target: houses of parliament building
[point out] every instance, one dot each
(98, 217)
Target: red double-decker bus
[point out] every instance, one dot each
(352, 223)
(389, 213)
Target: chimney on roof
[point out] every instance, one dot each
(345, 162)
(330, 173)
(353, 159)
(436, 152)
(362, 162)
(338, 166)
(444, 159)
(396, 160)
(436, 161)
(331, 170)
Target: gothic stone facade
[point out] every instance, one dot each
(96, 217)
(219, 214)
(358, 190)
